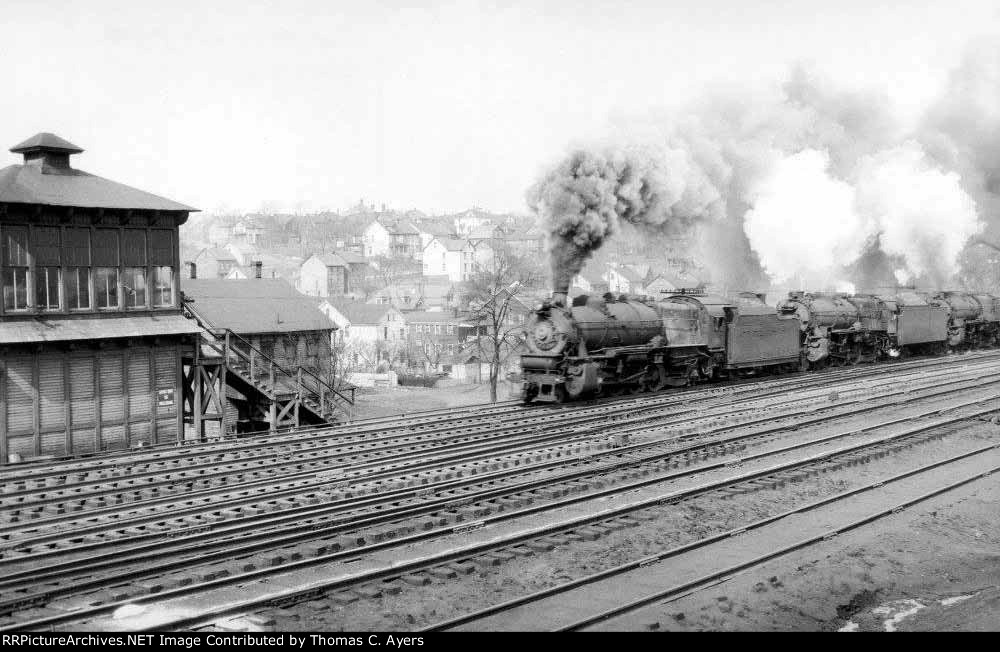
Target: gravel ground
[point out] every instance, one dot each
(935, 567)
(808, 598)
(401, 400)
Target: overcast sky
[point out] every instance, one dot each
(432, 105)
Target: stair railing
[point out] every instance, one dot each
(238, 351)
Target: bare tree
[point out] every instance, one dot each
(498, 313)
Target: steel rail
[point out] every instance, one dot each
(311, 510)
(694, 545)
(455, 554)
(223, 537)
(180, 450)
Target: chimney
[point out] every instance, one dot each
(258, 268)
(48, 152)
(192, 269)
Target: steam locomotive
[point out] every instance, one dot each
(615, 344)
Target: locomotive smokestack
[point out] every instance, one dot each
(560, 295)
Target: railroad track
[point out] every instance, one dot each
(514, 613)
(120, 484)
(114, 467)
(499, 516)
(148, 524)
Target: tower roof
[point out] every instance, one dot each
(46, 142)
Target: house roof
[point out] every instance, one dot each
(591, 275)
(331, 260)
(45, 330)
(433, 317)
(341, 258)
(397, 226)
(485, 231)
(452, 244)
(352, 258)
(435, 227)
(216, 253)
(254, 306)
(629, 274)
(66, 186)
(359, 312)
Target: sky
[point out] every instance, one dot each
(438, 106)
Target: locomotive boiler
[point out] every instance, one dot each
(972, 319)
(830, 325)
(615, 344)
(608, 344)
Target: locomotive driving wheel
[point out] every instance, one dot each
(654, 379)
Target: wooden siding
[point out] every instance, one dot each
(64, 402)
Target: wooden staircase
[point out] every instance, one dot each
(279, 396)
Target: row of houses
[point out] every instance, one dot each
(431, 340)
(369, 233)
(633, 279)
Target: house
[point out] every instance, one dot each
(92, 336)
(659, 284)
(276, 319)
(434, 336)
(525, 243)
(470, 220)
(247, 230)
(213, 262)
(327, 275)
(243, 253)
(624, 279)
(431, 228)
(483, 254)
(275, 325)
(365, 323)
(589, 281)
(220, 230)
(392, 238)
(443, 257)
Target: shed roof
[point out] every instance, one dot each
(359, 312)
(61, 330)
(254, 306)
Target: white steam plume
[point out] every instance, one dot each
(922, 213)
(803, 223)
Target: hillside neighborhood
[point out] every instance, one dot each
(405, 297)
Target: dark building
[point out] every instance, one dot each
(273, 333)
(91, 332)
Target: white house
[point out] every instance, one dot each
(377, 239)
(467, 222)
(624, 279)
(388, 237)
(430, 228)
(365, 323)
(443, 257)
(482, 256)
(243, 252)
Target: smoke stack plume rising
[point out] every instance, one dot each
(806, 181)
(588, 196)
